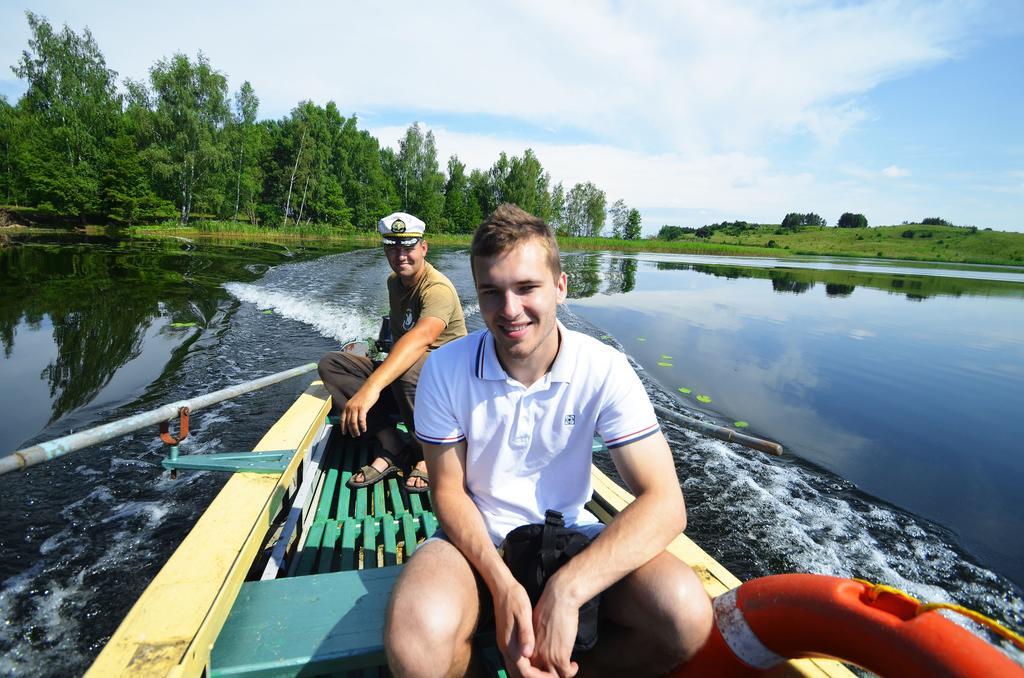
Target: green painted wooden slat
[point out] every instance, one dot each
(409, 535)
(323, 509)
(348, 545)
(429, 523)
(390, 529)
(331, 623)
(369, 543)
(415, 503)
(397, 505)
(360, 509)
(344, 491)
(379, 508)
(328, 546)
(309, 552)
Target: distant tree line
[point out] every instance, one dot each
(793, 220)
(179, 146)
(851, 220)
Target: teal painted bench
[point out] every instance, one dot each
(316, 624)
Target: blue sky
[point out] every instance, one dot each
(691, 112)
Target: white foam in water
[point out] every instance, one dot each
(330, 319)
(60, 629)
(782, 510)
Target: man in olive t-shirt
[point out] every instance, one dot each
(425, 314)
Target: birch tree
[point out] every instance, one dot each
(191, 111)
(246, 106)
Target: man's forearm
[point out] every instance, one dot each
(464, 526)
(403, 355)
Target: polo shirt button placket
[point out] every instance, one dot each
(524, 427)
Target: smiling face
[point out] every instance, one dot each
(519, 294)
(407, 262)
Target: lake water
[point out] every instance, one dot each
(895, 388)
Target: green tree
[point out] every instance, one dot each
(368, 190)
(584, 211)
(72, 107)
(188, 155)
(595, 210)
(482, 192)
(245, 135)
(633, 225)
(795, 220)
(127, 197)
(416, 174)
(10, 149)
(851, 220)
(557, 207)
(673, 232)
(462, 212)
(525, 183)
(620, 213)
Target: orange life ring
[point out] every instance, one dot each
(766, 621)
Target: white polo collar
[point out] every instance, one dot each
(489, 369)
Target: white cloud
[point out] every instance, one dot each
(896, 172)
(683, 104)
(680, 76)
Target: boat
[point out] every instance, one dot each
(288, 571)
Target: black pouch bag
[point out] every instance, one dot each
(535, 552)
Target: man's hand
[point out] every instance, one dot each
(514, 626)
(353, 417)
(555, 621)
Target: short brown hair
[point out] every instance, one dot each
(506, 228)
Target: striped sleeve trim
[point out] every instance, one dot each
(431, 440)
(632, 437)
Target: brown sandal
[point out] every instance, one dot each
(422, 475)
(371, 476)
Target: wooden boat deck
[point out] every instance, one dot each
(363, 528)
(208, 612)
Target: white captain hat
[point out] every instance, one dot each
(401, 229)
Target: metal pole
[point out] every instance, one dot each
(720, 432)
(30, 456)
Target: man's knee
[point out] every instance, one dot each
(668, 605)
(323, 367)
(432, 611)
(686, 614)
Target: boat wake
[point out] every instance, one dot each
(332, 319)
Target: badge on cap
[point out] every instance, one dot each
(401, 224)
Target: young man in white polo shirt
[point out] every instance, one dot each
(507, 416)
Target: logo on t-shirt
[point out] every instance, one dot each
(570, 419)
(407, 323)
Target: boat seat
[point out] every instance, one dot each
(317, 624)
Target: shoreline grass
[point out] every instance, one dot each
(908, 242)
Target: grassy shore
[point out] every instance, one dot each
(910, 241)
(913, 242)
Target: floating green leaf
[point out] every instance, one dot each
(684, 390)
(664, 364)
(605, 337)
(666, 357)
(703, 398)
(268, 311)
(640, 339)
(740, 424)
(183, 324)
